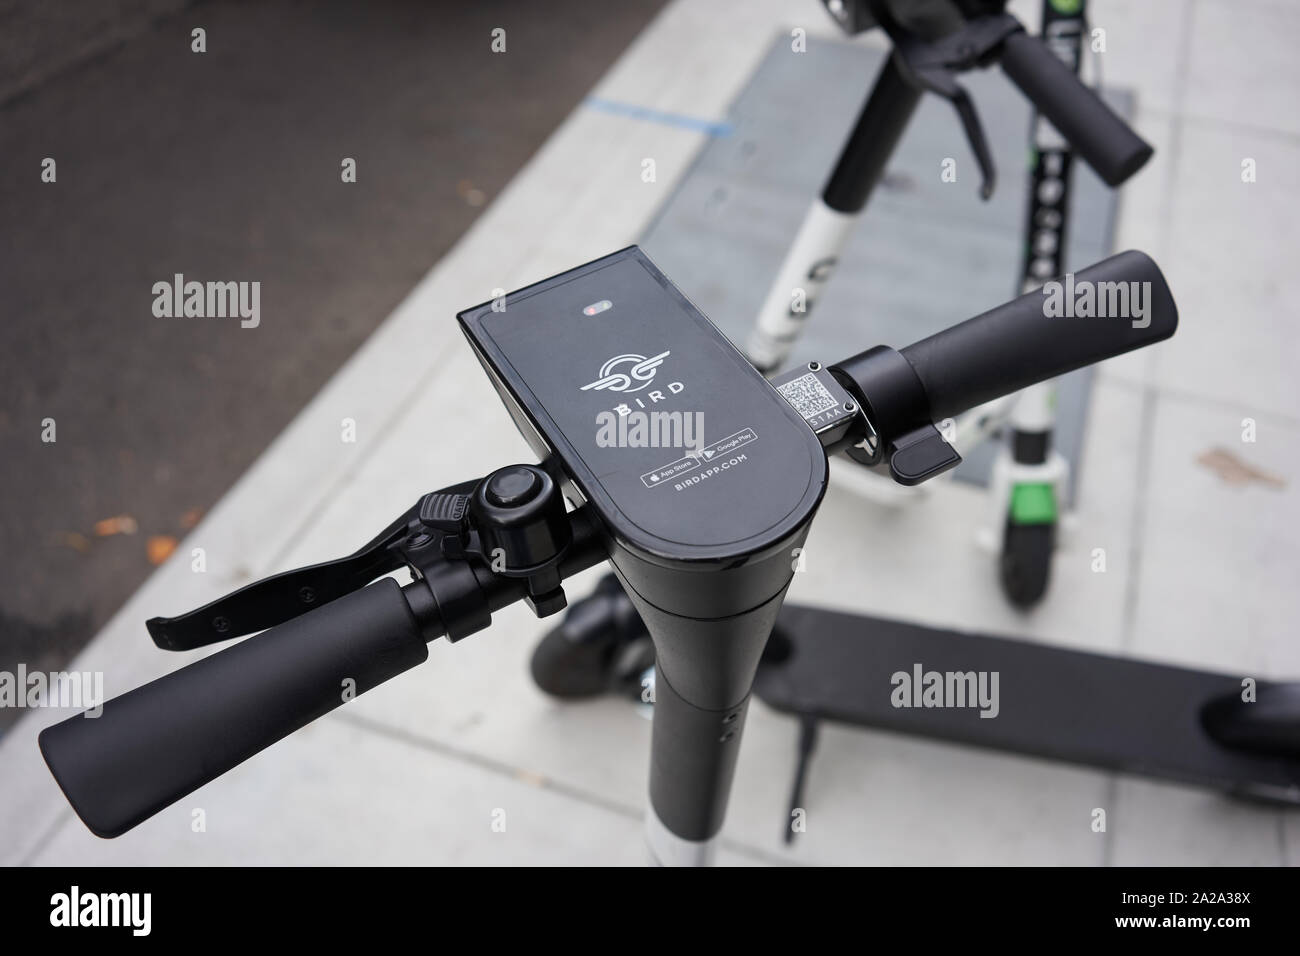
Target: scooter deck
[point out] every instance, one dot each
(1100, 711)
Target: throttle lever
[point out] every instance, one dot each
(903, 439)
(877, 426)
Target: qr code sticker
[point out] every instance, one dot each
(808, 396)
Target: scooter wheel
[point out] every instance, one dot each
(1025, 566)
(599, 647)
(563, 668)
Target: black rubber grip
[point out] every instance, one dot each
(152, 746)
(1043, 334)
(1093, 129)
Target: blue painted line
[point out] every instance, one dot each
(632, 111)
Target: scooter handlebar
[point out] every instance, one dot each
(1117, 305)
(156, 744)
(1094, 130)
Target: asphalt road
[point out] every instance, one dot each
(226, 165)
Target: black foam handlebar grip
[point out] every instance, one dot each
(1046, 333)
(1094, 130)
(152, 746)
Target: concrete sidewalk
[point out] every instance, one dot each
(1200, 571)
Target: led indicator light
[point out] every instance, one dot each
(597, 307)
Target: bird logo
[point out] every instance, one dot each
(638, 376)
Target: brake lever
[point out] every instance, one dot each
(281, 597)
(512, 523)
(934, 65)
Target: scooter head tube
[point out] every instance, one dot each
(691, 460)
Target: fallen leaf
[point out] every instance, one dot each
(119, 524)
(531, 776)
(73, 540)
(160, 547)
(471, 193)
(1234, 471)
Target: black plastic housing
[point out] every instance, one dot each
(741, 503)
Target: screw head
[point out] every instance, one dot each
(307, 595)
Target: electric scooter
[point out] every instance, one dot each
(600, 646)
(934, 43)
(701, 538)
